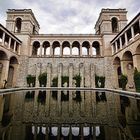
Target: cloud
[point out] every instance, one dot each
(68, 16)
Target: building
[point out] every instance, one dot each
(112, 50)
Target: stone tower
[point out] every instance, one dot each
(108, 25)
(22, 21)
(111, 21)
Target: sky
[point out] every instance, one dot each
(68, 16)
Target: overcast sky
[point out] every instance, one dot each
(68, 16)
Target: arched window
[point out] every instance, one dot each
(114, 22)
(18, 25)
(46, 48)
(36, 46)
(85, 48)
(96, 48)
(66, 48)
(75, 48)
(56, 48)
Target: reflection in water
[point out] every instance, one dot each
(68, 115)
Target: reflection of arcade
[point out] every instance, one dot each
(68, 132)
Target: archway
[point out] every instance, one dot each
(36, 46)
(18, 24)
(46, 48)
(96, 48)
(66, 48)
(127, 68)
(11, 80)
(114, 23)
(137, 58)
(85, 48)
(117, 71)
(56, 48)
(3, 67)
(75, 48)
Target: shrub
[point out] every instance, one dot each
(78, 80)
(123, 81)
(42, 79)
(99, 81)
(31, 80)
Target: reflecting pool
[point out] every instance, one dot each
(68, 115)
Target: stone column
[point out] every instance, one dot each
(126, 39)
(40, 53)
(5, 70)
(70, 50)
(61, 51)
(81, 68)
(19, 49)
(60, 73)
(112, 48)
(132, 32)
(9, 43)
(92, 75)
(70, 74)
(90, 50)
(49, 74)
(116, 46)
(3, 38)
(120, 39)
(15, 46)
(51, 51)
(80, 50)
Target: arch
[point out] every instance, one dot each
(13, 60)
(75, 48)
(36, 46)
(138, 50)
(18, 24)
(56, 48)
(114, 23)
(46, 48)
(116, 61)
(85, 48)
(127, 56)
(95, 48)
(3, 55)
(66, 48)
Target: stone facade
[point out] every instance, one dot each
(68, 54)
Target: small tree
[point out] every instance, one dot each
(42, 79)
(137, 79)
(99, 81)
(77, 78)
(31, 80)
(123, 81)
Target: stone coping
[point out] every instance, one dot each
(116, 91)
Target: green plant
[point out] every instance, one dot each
(137, 79)
(42, 79)
(78, 80)
(55, 82)
(123, 81)
(99, 81)
(65, 79)
(31, 80)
